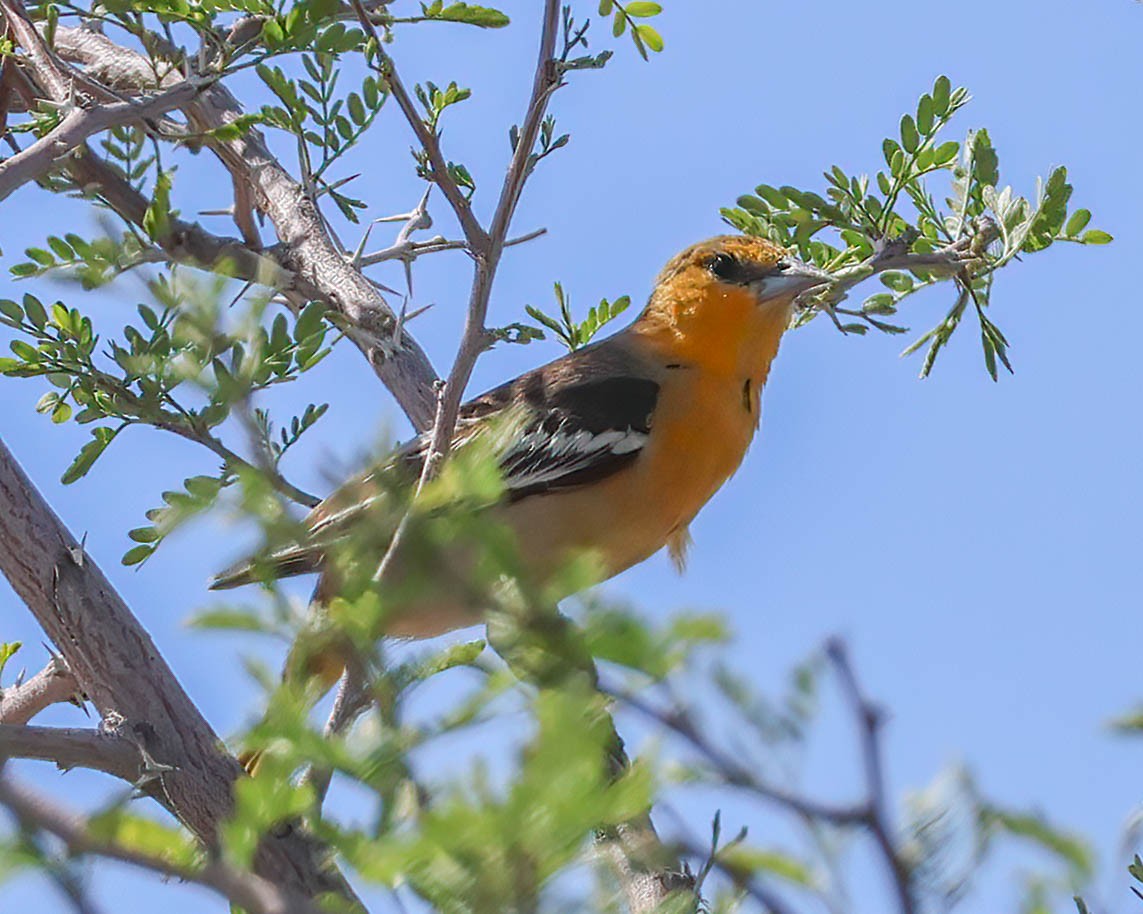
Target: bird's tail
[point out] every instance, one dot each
(285, 563)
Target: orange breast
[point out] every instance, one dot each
(699, 435)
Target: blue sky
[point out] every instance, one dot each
(977, 543)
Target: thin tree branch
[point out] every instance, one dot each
(70, 748)
(54, 684)
(870, 719)
(872, 812)
(78, 124)
(410, 250)
(251, 892)
(354, 696)
(949, 260)
(428, 140)
(487, 249)
(734, 773)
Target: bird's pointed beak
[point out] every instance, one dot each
(791, 277)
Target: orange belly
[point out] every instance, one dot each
(699, 435)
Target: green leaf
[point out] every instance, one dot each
(157, 218)
(34, 309)
(12, 311)
(946, 152)
(898, 282)
(910, 138)
(641, 10)
(88, 454)
(741, 858)
(1035, 828)
(941, 89)
(137, 554)
(235, 620)
(1096, 236)
(925, 111)
(650, 37)
(1077, 223)
(145, 836)
(482, 16)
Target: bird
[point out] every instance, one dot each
(610, 450)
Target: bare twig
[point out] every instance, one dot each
(244, 889)
(869, 719)
(52, 685)
(413, 249)
(486, 249)
(736, 774)
(429, 141)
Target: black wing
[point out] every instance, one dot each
(572, 422)
(580, 433)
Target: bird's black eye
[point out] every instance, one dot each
(724, 266)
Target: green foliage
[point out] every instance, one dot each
(858, 218)
(623, 15)
(325, 124)
(91, 263)
(177, 369)
(197, 495)
(568, 331)
(435, 100)
(616, 634)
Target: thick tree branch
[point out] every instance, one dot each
(54, 684)
(185, 242)
(126, 679)
(248, 891)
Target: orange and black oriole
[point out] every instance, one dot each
(615, 447)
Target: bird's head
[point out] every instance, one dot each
(729, 299)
